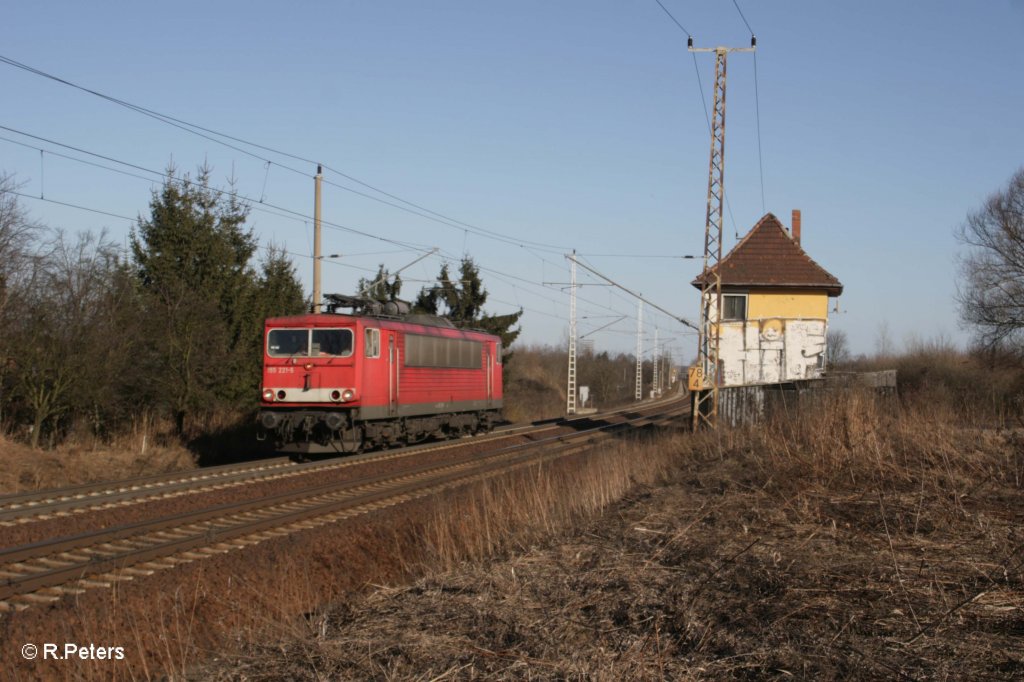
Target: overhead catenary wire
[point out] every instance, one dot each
(757, 107)
(760, 155)
(636, 295)
(737, 6)
(292, 253)
(208, 134)
(161, 177)
(635, 255)
(111, 214)
(297, 214)
(704, 108)
(267, 248)
(260, 204)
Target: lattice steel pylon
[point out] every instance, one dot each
(656, 383)
(705, 397)
(570, 393)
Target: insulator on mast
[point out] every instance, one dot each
(753, 40)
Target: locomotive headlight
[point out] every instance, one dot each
(281, 395)
(336, 395)
(268, 394)
(348, 394)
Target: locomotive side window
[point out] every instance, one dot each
(497, 353)
(283, 343)
(286, 343)
(371, 345)
(436, 351)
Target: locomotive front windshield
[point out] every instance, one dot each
(309, 343)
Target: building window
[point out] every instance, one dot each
(734, 307)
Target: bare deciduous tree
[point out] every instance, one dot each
(837, 348)
(18, 234)
(61, 332)
(991, 291)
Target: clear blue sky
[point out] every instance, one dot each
(571, 124)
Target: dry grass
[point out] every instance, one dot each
(22, 468)
(860, 539)
(171, 622)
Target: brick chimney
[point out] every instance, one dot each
(796, 225)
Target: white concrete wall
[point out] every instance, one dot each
(769, 351)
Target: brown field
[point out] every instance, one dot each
(862, 539)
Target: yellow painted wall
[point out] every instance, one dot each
(787, 304)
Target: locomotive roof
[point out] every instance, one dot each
(409, 322)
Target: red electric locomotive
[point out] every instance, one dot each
(378, 377)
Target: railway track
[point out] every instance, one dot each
(46, 571)
(22, 508)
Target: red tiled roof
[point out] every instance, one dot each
(768, 257)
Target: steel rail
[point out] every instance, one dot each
(63, 501)
(25, 500)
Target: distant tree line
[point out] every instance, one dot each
(92, 336)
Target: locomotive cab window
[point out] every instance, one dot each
(371, 345)
(286, 343)
(332, 342)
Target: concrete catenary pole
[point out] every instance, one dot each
(317, 294)
(640, 351)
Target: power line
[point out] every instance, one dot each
(258, 204)
(757, 107)
(194, 129)
(149, 112)
(262, 247)
(737, 6)
(449, 222)
(632, 255)
(70, 205)
(673, 18)
(184, 181)
(704, 107)
(137, 220)
(438, 217)
(636, 295)
(505, 277)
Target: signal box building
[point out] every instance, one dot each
(775, 302)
